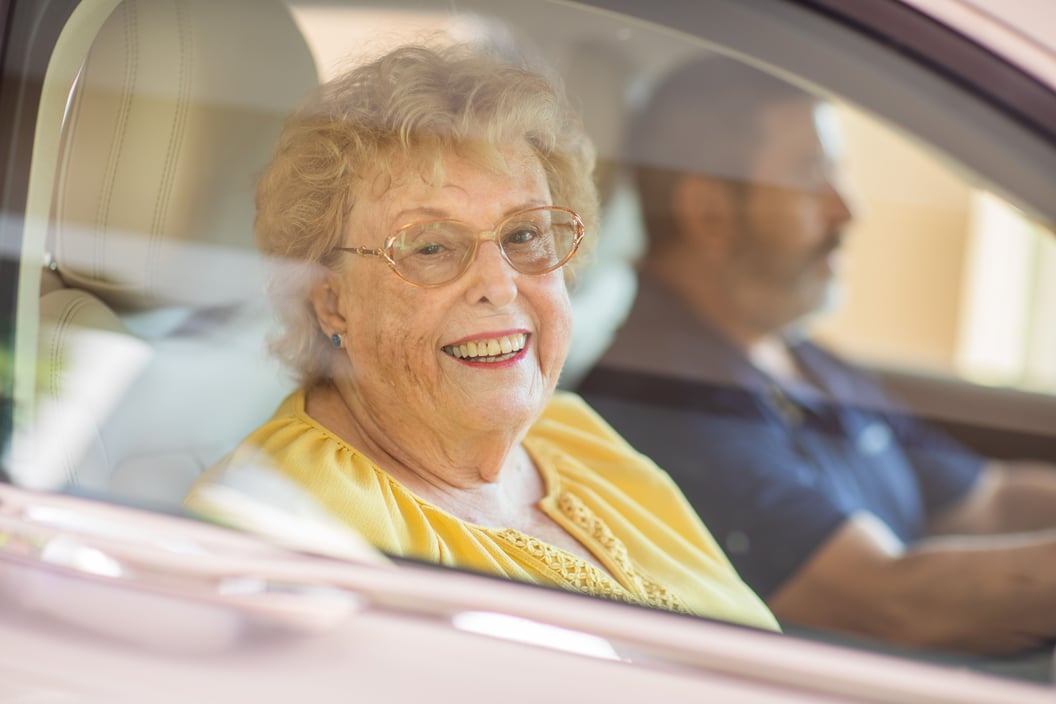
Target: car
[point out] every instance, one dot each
(134, 357)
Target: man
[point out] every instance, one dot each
(837, 507)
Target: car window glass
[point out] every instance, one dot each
(982, 269)
(946, 293)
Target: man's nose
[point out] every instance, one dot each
(839, 203)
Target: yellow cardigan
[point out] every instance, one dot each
(612, 499)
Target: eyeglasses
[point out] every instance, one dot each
(533, 241)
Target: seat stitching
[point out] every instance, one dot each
(62, 326)
(120, 127)
(175, 141)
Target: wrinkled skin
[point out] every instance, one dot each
(415, 407)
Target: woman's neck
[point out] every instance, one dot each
(464, 474)
(486, 481)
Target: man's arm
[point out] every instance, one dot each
(981, 594)
(1008, 497)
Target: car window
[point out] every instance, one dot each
(963, 306)
(141, 327)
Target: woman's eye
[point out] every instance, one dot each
(431, 249)
(522, 235)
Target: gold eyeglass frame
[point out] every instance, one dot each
(385, 252)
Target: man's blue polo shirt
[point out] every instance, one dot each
(772, 470)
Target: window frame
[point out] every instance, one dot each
(975, 98)
(30, 32)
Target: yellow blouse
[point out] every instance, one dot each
(616, 502)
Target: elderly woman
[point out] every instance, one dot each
(432, 202)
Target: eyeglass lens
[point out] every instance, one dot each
(533, 242)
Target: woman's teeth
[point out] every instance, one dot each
(496, 349)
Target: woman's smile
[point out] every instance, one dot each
(489, 350)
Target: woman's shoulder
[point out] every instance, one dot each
(290, 443)
(572, 429)
(289, 430)
(568, 413)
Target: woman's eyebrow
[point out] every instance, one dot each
(533, 203)
(412, 215)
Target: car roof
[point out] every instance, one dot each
(1022, 32)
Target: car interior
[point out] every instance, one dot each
(142, 327)
(152, 299)
(152, 294)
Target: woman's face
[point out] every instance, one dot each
(401, 339)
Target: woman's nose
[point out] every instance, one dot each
(490, 276)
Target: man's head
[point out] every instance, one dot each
(737, 177)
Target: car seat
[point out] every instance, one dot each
(151, 355)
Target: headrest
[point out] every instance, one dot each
(175, 112)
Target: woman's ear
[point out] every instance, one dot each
(326, 301)
(703, 210)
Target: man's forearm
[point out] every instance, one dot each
(1027, 496)
(986, 594)
(1009, 497)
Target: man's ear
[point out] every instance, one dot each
(703, 210)
(326, 301)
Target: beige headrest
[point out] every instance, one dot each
(176, 111)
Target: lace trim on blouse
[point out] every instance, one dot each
(580, 575)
